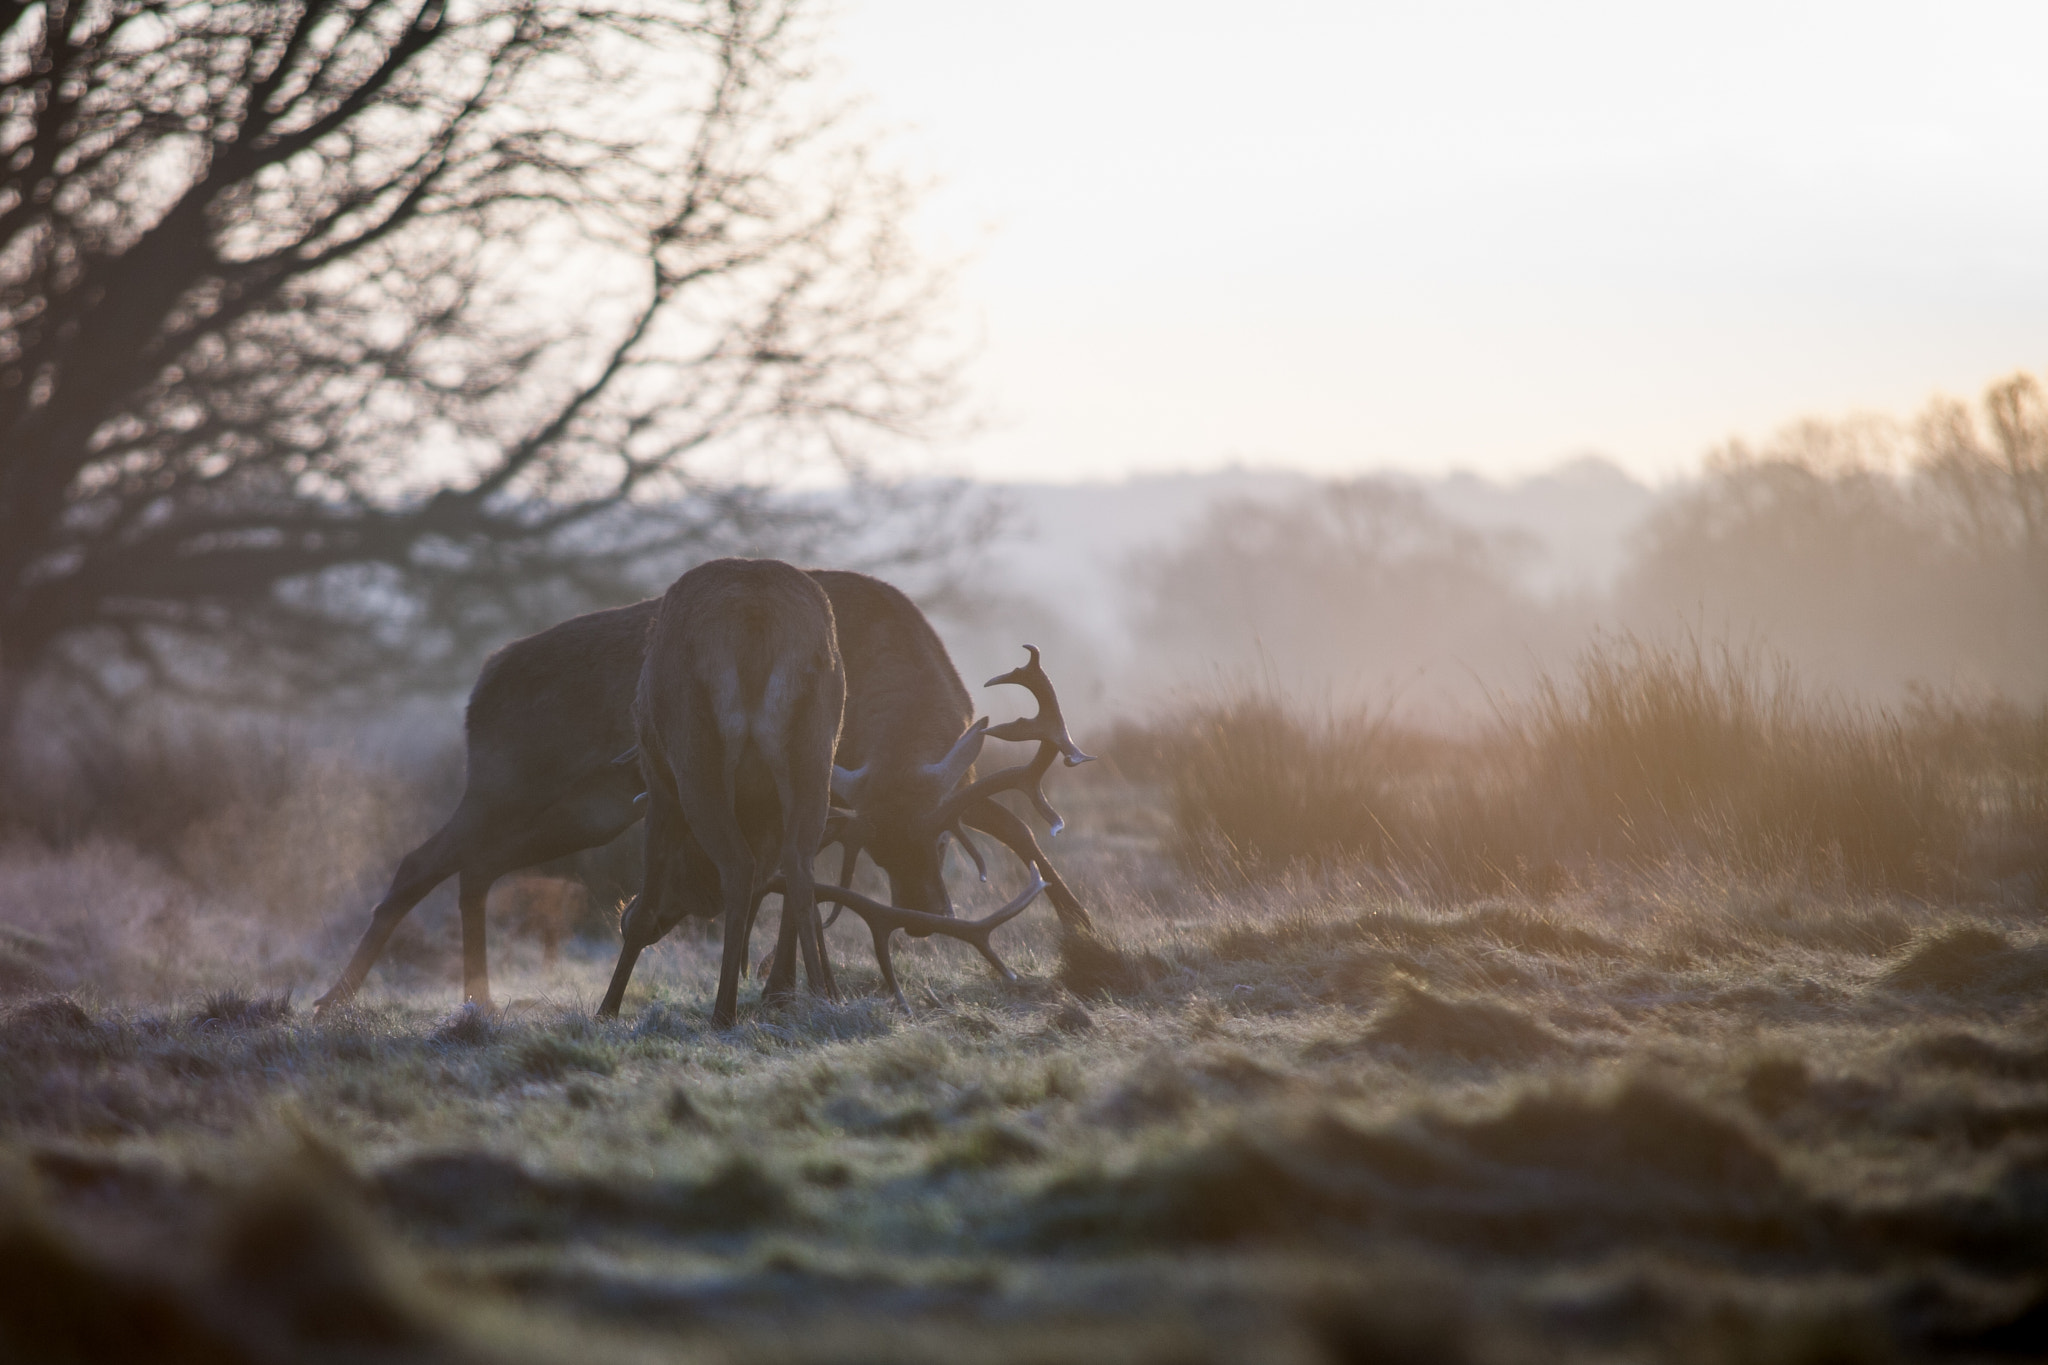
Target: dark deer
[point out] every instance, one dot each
(737, 718)
(901, 813)
(547, 719)
(552, 768)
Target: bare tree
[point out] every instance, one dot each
(1992, 492)
(333, 332)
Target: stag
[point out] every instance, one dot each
(737, 717)
(553, 767)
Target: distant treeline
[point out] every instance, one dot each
(1875, 556)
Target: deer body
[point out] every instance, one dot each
(551, 715)
(737, 717)
(546, 718)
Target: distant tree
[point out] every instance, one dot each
(1873, 554)
(1346, 589)
(334, 333)
(1992, 492)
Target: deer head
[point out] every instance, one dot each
(904, 828)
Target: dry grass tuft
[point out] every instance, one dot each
(232, 1008)
(1645, 755)
(1970, 960)
(1466, 1030)
(1091, 965)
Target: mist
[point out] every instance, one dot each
(1876, 559)
(1579, 911)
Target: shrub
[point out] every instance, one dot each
(1645, 754)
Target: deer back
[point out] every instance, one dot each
(748, 646)
(549, 707)
(905, 703)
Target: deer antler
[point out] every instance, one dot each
(959, 832)
(884, 920)
(842, 827)
(1048, 727)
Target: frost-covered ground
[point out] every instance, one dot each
(1659, 1115)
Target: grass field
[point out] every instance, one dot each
(1678, 1108)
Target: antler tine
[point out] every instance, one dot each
(959, 831)
(884, 920)
(842, 827)
(1048, 728)
(948, 771)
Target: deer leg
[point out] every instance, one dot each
(817, 966)
(639, 928)
(594, 812)
(725, 1010)
(419, 872)
(718, 831)
(818, 962)
(799, 932)
(881, 937)
(475, 887)
(790, 934)
(753, 914)
(647, 918)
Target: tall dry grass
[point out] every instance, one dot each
(1645, 753)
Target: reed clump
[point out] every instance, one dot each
(1646, 753)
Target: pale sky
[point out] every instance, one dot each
(1349, 236)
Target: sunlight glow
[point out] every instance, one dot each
(1336, 236)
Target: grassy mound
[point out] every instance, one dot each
(1464, 1030)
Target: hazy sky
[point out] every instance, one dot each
(1342, 236)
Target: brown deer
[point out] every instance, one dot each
(553, 767)
(737, 718)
